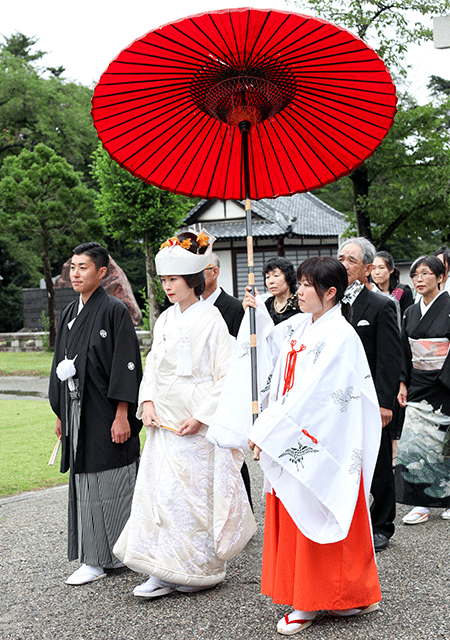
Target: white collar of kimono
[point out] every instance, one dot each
(177, 328)
(425, 307)
(80, 306)
(307, 322)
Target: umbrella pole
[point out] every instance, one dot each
(244, 128)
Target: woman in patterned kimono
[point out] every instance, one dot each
(423, 459)
(190, 511)
(317, 441)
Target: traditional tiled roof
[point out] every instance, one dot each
(302, 214)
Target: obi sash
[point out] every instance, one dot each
(429, 354)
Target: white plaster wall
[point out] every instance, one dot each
(222, 210)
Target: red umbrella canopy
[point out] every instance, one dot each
(319, 102)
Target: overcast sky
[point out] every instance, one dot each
(85, 35)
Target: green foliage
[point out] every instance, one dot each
(129, 257)
(137, 213)
(35, 109)
(43, 198)
(145, 310)
(439, 87)
(19, 268)
(20, 45)
(18, 265)
(399, 196)
(409, 182)
(11, 308)
(133, 210)
(410, 175)
(160, 300)
(389, 27)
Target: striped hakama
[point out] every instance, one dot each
(99, 505)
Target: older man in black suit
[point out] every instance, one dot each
(230, 307)
(232, 312)
(375, 321)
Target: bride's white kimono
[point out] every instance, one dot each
(190, 510)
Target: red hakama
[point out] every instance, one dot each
(311, 576)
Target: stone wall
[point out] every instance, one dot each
(35, 302)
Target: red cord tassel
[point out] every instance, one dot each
(289, 369)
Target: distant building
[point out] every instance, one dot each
(295, 227)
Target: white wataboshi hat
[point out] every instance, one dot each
(173, 260)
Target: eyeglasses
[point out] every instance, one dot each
(208, 268)
(422, 274)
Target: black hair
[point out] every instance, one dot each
(434, 264)
(286, 267)
(445, 253)
(196, 281)
(98, 254)
(394, 277)
(325, 272)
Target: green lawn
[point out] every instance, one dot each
(25, 363)
(27, 439)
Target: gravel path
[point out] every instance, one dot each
(414, 573)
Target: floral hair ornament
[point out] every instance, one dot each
(175, 259)
(203, 239)
(170, 242)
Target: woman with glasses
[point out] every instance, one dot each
(423, 459)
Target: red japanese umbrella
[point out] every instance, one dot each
(244, 103)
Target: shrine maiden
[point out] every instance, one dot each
(317, 438)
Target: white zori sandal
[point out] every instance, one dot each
(295, 621)
(416, 515)
(153, 588)
(445, 515)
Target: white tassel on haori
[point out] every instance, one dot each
(66, 369)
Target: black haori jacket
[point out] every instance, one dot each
(109, 370)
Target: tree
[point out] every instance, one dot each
(410, 176)
(19, 268)
(44, 200)
(439, 87)
(408, 181)
(20, 45)
(137, 213)
(389, 27)
(36, 109)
